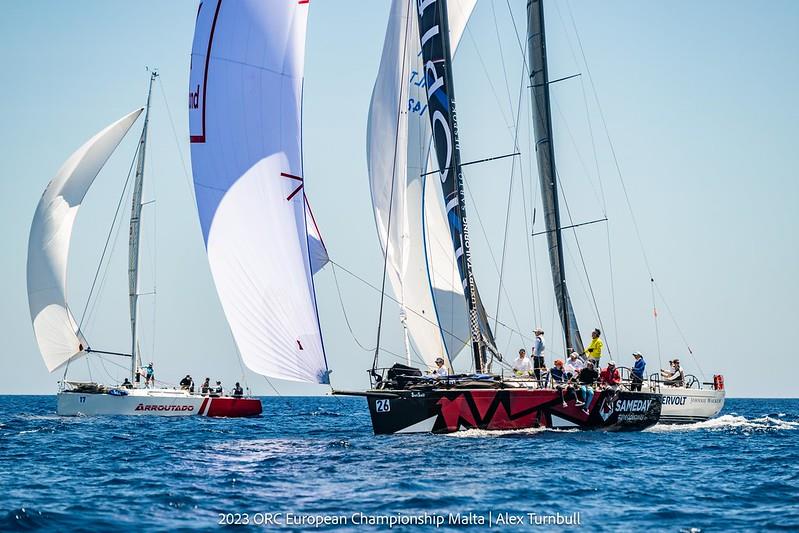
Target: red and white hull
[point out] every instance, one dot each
(161, 402)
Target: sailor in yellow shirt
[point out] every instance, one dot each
(594, 350)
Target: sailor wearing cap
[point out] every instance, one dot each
(538, 353)
(610, 377)
(637, 372)
(441, 369)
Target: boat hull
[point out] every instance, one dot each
(450, 410)
(688, 406)
(155, 402)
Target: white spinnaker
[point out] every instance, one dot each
(245, 124)
(421, 262)
(57, 332)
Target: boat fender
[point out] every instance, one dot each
(117, 392)
(718, 382)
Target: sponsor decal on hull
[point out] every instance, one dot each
(161, 407)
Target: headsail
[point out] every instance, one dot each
(57, 332)
(437, 72)
(245, 119)
(423, 274)
(545, 154)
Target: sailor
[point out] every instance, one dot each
(594, 350)
(610, 377)
(440, 370)
(538, 353)
(674, 377)
(522, 365)
(218, 391)
(574, 364)
(638, 370)
(560, 381)
(127, 384)
(187, 383)
(238, 392)
(206, 386)
(149, 375)
(586, 379)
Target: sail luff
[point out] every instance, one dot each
(436, 53)
(545, 155)
(133, 239)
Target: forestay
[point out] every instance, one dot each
(245, 124)
(421, 265)
(57, 332)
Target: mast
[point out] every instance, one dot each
(437, 57)
(545, 154)
(135, 226)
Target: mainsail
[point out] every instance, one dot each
(57, 332)
(421, 265)
(245, 101)
(545, 154)
(433, 22)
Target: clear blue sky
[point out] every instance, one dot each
(699, 99)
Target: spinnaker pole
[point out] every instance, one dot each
(437, 57)
(545, 155)
(135, 227)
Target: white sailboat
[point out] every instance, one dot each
(58, 333)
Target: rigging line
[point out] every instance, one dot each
(241, 366)
(655, 317)
(175, 136)
(277, 392)
(510, 193)
(485, 160)
(610, 144)
(537, 233)
(490, 251)
(393, 186)
(504, 69)
(488, 77)
(679, 330)
(533, 201)
(89, 319)
(374, 287)
(580, 251)
(108, 238)
(344, 311)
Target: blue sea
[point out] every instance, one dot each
(308, 461)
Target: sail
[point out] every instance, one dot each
(545, 154)
(398, 149)
(433, 21)
(57, 332)
(245, 98)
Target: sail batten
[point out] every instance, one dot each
(245, 114)
(57, 332)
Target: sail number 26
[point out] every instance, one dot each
(382, 406)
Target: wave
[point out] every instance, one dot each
(478, 433)
(729, 422)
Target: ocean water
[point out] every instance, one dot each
(312, 459)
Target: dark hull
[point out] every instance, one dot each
(449, 410)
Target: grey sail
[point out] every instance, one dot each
(545, 155)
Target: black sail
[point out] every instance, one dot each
(545, 155)
(437, 57)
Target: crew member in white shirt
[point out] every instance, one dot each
(574, 364)
(522, 365)
(440, 370)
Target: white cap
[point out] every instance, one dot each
(638, 354)
(612, 363)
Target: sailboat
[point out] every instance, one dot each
(413, 104)
(58, 334)
(245, 122)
